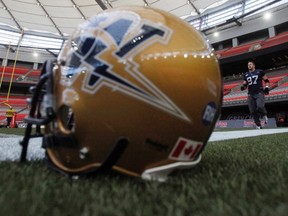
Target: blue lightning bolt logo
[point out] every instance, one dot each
(89, 51)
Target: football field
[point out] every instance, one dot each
(238, 175)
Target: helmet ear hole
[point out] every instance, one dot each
(66, 118)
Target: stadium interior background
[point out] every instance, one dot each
(235, 33)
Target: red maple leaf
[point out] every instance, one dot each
(188, 150)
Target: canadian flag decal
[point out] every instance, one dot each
(185, 150)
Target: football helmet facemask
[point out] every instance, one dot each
(136, 90)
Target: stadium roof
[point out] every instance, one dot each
(61, 17)
(48, 23)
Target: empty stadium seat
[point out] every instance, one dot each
(252, 46)
(276, 40)
(237, 50)
(22, 74)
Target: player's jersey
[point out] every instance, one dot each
(254, 81)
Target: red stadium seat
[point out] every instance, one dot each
(14, 102)
(242, 97)
(284, 84)
(249, 47)
(230, 86)
(276, 40)
(19, 72)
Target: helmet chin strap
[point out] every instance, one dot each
(114, 155)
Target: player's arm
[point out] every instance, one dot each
(244, 85)
(267, 84)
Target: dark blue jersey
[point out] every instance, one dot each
(254, 81)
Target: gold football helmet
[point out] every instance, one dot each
(136, 90)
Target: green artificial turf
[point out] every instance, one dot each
(247, 176)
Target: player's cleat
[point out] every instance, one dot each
(258, 127)
(265, 119)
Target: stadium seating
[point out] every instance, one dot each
(278, 88)
(284, 84)
(22, 74)
(17, 102)
(218, 53)
(253, 46)
(227, 88)
(17, 70)
(274, 81)
(276, 40)
(237, 50)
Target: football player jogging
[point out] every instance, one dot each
(256, 99)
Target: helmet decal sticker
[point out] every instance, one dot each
(118, 29)
(185, 149)
(148, 32)
(209, 113)
(90, 49)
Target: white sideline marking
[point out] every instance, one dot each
(225, 135)
(10, 148)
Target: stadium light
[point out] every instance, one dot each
(267, 16)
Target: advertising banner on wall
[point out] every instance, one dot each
(244, 123)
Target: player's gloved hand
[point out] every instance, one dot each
(242, 87)
(266, 90)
